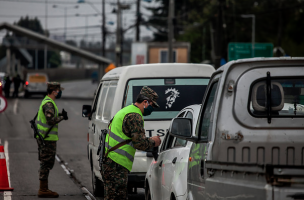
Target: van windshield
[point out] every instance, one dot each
(174, 94)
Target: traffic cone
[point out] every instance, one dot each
(4, 185)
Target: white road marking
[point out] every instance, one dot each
(8, 194)
(70, 172)
(16, 106)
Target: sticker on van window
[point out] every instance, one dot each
(172, 95)
(174, 98)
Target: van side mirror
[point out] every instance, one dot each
(181, 128)
(86, 110)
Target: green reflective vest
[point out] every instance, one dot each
(125, 154)
(42, 126)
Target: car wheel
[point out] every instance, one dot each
(148, 193)
(98, 188)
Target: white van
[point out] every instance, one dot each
(178, 85)
(35, 83)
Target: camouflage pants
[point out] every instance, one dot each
(116, 180)
(47, 158)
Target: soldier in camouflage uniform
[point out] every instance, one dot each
(115, 176)
(47, 153)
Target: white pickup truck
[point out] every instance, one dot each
(249, 138)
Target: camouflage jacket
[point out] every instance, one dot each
(133, 127)
(49, 112)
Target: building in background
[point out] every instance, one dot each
(157, 52)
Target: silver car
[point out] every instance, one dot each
(166, 177)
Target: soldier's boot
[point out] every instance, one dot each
(44, 191)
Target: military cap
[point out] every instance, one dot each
(54, 86)
(150, 94)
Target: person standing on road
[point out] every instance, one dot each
(127, 125)
(7, 86)
(48, 117)
(17, 82)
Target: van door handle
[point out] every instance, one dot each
(174, 160)
(160, 164)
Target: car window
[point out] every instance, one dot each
(286, 98)
(106, 115)
(173, 94)
(206, 115)
(37, 78)
(181, 115)
(189, 115)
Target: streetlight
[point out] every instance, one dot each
(86, 22)
(65, 16)
(253, 31)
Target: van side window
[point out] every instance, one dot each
(101, 100)
(109, 101)
(94, 106)
(206, 123)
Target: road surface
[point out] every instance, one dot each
(22, 153)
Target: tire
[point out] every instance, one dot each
(97, 185)
(148, 193)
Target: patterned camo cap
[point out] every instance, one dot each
(54, 86)
(150, 94)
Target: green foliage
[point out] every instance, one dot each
(277, 21)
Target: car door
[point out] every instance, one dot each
(157, 174)
(174, 164)
(198, 153)
(180, 151)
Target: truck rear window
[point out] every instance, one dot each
(37, 79)
(287, 98)
(174, 94)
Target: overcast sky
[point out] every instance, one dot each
(12, 10)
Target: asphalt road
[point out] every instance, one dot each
(17, 136)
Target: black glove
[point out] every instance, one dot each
(64, 114)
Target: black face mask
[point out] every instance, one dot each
(148, 111)
(59, 95)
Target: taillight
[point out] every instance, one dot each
(26, 82)
(88, 137)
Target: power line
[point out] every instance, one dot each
(62, 2)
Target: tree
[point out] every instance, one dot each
(277, 21)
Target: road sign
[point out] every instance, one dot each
(3, 104)
(244, 50)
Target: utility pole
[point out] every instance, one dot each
(138, 21)
(45, 46)
(170, 32)
(103, 29)
(118, 34)
(218, 35)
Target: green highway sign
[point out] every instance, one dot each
(244, 50)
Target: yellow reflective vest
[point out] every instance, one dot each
(42, 125)
(125, 154)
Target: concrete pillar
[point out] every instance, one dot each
(8, 60)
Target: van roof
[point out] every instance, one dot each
(38, 73)
(157, 70)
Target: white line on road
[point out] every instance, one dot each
(8, 194)
(16, 106)
(70, 173)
